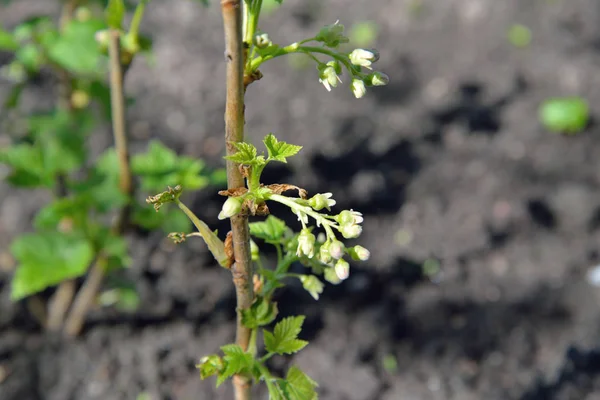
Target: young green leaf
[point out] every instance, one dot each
(279, 151)
(246, 154)
(7, 41)
(262, 312)
(298, 386)
(271, 230)
(284, 339)
(115, 11)
(46, 259)
(210, 365)
(312, 285)
(76, 49)
(236, 361)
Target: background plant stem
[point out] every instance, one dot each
(234, 132)
(87, 293)
(61, 300)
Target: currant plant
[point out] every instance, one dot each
(319, 244)
(80, 232)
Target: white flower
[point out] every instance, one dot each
(351, 231)
(322, 200)
(358, 88)
(363, 58)
(231, 207)
(342, 269)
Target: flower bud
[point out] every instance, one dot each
(359, 253)
(351, 231)
(231, 207)
(324, 255)
(349, 217)
(102, 37)
(262, 41)
(257, 284)
(358, 88)
(306, 244)
(254, 251)
(330, 276)
(336, 249)
(377, 79)
(332, 35)
(321, 201)
(342, 269)
(80, 99)
(363, 58)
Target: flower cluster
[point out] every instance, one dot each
(329, 73)
(326, 248)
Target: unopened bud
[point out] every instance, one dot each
(306, 244)
(378, 79)
(359, 253)
(79, 99)
(358, 88)
(351, 231)
(364, 58)
(231, 207)
(257, 283)
(324, 255)
(102, 38)
(330, 276)
(336, 249)
(342, 269)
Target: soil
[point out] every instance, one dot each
(450, 167)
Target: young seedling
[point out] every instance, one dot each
(73, 235)
(319, 244)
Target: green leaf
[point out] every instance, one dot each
(161, 167)
(210, 365)
(236, 361)
(247, 154)
(262, 312)
(298, 386)
(76, 49)
(284, 339)
(7, 41)
(46, 259)
(279, 151)
(124, 299)
(115, 11)
(271, 230)
(568, 115)
(175, 221)
(52, 214)
(312, 285)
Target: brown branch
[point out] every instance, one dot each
(234, 132)
(87, 293)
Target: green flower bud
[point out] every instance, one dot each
(231, 207)
(324, 255)
(330, 276)
(332, 35)
(321, 200)
(364, 58)
(351, 231)
(358, 88)
(377, 79)
(349, 217)
(102, 38)
(306, 244)
(359, 253)
(342, 269)
(336, 249)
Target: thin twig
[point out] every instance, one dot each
(87, 293)
(234, 132)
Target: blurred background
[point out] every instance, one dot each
(483, 225)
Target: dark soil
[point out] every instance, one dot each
(447, 163)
